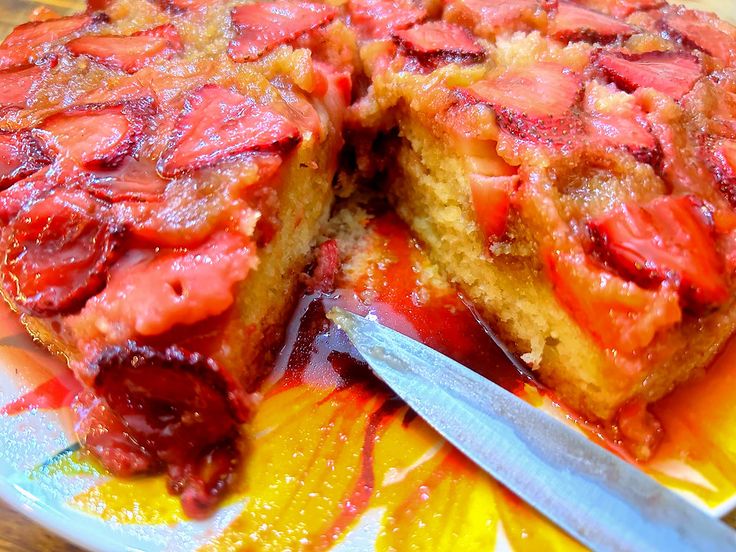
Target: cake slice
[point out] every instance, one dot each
(570, 169)
(163, 178)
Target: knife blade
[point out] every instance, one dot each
(601, 500)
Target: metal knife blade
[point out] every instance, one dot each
(603, 501)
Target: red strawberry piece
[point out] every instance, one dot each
(702, 31)
(488, 18)
(16, 86)
(20, 156)
(534, 103)
(326, 268)
(618, 314)
(574, 23)
(133, 180)
(129, 53)
(672, 73)
(95, 135)
(173, 287)
(491, 197)
(439, 41)
(668, 239)
(25, 39)
(103, 434)
(25, 192)
(182, 409)
(721, 157)
(621, 8)
(627, 132)
(259, 28)
(218, 123)
(379, 18)
(57, 254)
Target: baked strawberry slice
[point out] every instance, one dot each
(129, 53)
(133, 180)
(621, 8)
(95, 135)
(702, 31)
(57, 254)
(625, 131)
(489, 18)
(20, 156)
(534, 103)
(491, 197)
(181, 408)
(218, 123)
(439, 42)
(259, 28)
(25, 39)
(617, 313)
(574, 23)
(672, 73)
(721, 157)
(17, 85)
(666, 240)
(380, 18)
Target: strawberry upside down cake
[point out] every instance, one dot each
(166, 167)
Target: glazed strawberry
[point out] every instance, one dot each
(619, 314)
(23, 193)
(701, 31)
(20, 156)
(57, 254)
(626, 131)
(438, 41)
(491, 197)
(129, 53)
(25, 40)
(621, 8)
(133, 180)
(95, 135)
(380, 18)
(259, 28)
(218, 123)
(180, 408)
(181, 287)
(666, 240)
(573, 23)
(722, 161)
(534, 103)
(16, 86)
(672, 73)
(499, 16)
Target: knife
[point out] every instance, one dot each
(601, 500)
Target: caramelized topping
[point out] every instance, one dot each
(666, 240)
(129, 53)
(259, 28)
(218, 123)
(573, 23)
(57, 254)
(672, 73)
(488, 18)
